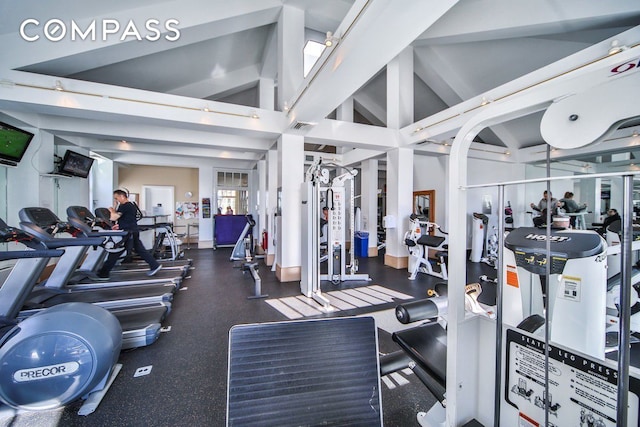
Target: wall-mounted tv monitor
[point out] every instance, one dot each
(75, 164)
(13, 144)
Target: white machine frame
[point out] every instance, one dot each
(588, 73)
(336, 241)
(419, 254)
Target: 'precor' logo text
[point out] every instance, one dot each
(55, 30)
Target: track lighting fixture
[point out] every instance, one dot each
(330, 40)
(616, 47)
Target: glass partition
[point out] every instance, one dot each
(569, 305)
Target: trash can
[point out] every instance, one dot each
(361, 241)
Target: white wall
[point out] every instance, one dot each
(71, 191)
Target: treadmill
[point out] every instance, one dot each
(44, 224)
(103, 215)
(140, 325)
(54, 291)
(82, 218)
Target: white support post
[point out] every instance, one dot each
(272, 203)
(399, 205)
(291, 177)
(345, 111)
(400, 90)
(369, 203)
(262, 198)
(266, 93)
(290, 52)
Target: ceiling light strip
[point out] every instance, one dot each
(139, 101)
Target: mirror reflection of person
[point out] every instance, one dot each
(546, 201)
(324, 221)
(571, 206)
(612, 216)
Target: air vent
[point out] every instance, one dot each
(301, 126)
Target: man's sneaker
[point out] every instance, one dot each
(102, 277)
(154, 271)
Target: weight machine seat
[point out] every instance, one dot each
(310, 372)
(442, 254)
(431, 241)
(427, 346)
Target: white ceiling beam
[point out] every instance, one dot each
(178, 150)
(359, 155)
(356, 135)
(32, 92)
(172, 161)
(376, 32)
(104, 131)
(199, 20)
(508, 21)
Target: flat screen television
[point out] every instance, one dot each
(13, 144)
(75, 164)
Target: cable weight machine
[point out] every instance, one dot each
(338, 270)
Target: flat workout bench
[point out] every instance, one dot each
(311, 372)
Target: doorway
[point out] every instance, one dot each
(158, 200)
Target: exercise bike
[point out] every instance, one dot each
(419, 240)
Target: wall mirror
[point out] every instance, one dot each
(424, 203)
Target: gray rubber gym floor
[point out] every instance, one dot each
(186, 384)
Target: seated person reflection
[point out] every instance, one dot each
(547, 200)
(571, 206)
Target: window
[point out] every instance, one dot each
(312, 51)
(233, 192)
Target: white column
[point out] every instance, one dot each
(616, 192)
(25, 186)
(399, 204)
(345, 111)
(205, 190)
(400, 90)
(266, 93)
(290, 54)
(587, 194)
(400, 160)
(369, 203)
(262, 198)
(272, 203)
(291, 177)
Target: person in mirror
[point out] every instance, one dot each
(571, 206)
(324, 220)
(229, 211)
(612, 216)
(125, 215)
(547, 201)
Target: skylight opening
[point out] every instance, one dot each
(312, 51)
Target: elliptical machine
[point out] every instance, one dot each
(77, 344)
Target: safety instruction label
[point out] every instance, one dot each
(582, 391)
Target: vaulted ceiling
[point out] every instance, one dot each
(118, 93)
